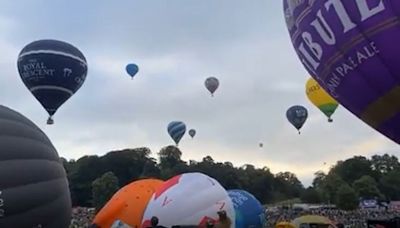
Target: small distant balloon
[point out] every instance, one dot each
(297, 116)
(192, 133)
(176, 129)
(212, 84)
(53, 71)
(261, 145)
(132, 69)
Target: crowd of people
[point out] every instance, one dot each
(82, 217)
(349, 219)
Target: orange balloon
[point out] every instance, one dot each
(128, 204)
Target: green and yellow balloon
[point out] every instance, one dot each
(320, 98)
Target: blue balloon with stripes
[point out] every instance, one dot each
(248, 210)
(176, 129)
(53, 71)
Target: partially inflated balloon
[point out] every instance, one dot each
(176, 129)
(33, 184)
(132, 69)
(297, 116)
(212, 84)
(320, 98)
(188, 199)
(248, 210)
(350, 47)
(53, 71)
(128, 204)
(192, 132)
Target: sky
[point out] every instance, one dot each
(177, 45)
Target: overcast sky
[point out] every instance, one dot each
(177, 45)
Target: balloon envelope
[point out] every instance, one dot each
(248, 210)
(176, 129)
(350, 48)
(320, 98)
(128, 204)
(297, 116)
(212, 84)
(188, 199)
(53, 71)
(192, 132)
(132, 69)
(33, 184)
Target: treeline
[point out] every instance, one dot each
(347, 181)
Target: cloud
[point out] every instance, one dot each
(177, 45)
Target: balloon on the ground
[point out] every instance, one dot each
(304, 221)
(52, 71)
(33, 184)
(132, 69)
(350, 48)
(188, 199)
(249, 212)
(297, 116)
(176, 129)
(192, 132)
(128, 204)
(320, 98)
(212, 84)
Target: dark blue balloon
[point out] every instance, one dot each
(248, 210)
(53, 71)
(176, 129)
(132, 69)
(297, 116)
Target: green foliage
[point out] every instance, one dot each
(311, 195)
(366, 187)
(347, 198)
(377, 177)
(103, 188)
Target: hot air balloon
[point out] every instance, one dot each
(132, 69)
(53, 71)
(261, 145)
(297, 116)
(320, 98)
(128, 204)
(188, 199)
(192, 132)
(350, 48)
(33, 184)
(248, 210)
(176, 129)
(212, 84)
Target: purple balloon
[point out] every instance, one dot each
(352, 48)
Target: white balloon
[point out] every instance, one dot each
(189, 199)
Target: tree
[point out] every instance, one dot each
(347, 198)
(353, 169)
(330, 187)
(384, 163)
(103, 189)
(390, 185)
(318, 179)
(310, 195)
(366, 187)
